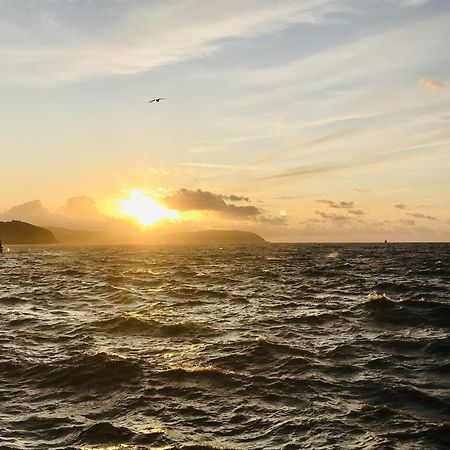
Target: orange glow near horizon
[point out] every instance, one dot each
(143, 209)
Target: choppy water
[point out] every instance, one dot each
(270, 347)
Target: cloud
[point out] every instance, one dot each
(349, 206)
(273, 220)
(421, 216)
(305, 147)
(241, 211)
(159, 170)
(333, 217)
(288, 197)
(231, 167)
(312, 169)
(81, 207)
(337, 205)
(234, 198)
(203, 149)
(78, 213)
(32, 211)
(400, 206)
(409, 222)
(206, 201)
(379, 59)
(198, 200)
(431, 85)
(48, 42)
(415, 3)
(362, 191)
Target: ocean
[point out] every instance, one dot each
(278, 346)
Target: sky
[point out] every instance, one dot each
(319, 120)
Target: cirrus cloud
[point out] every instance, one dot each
(48, 42)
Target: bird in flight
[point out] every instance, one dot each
(156, 100)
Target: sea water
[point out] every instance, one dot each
(242, 347)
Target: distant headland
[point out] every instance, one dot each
(205, 237)
(16, 232)
(212, 237)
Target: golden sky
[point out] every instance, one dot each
(320, 120)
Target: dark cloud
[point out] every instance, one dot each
(400, 206)
(333, 217)
(421, 216)
(240, 211)
(338, 205)
(348, 206)
(234, 198)
(198, 200)
(273, 220)
(188, 200)
(409, 222)
(357, 212)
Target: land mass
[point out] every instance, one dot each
(205, 237)
(213, 237)
(16, 232)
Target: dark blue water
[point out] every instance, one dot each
(265, 347)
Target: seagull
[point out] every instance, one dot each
(156, 100)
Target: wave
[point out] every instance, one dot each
(188, 327)
(105, 433)
(134, 324)
(314, 319)
(11, 300)
(208, 374)
(201, 447)
(196, 293)
(376, 297)
(393, 288)
(22, 321)
(99, 370)
(431, 436)
(127, 323)
(407, 311)
(264, 344)
(407, 398)
(73, 272)
(439, 347)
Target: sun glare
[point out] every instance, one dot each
(144, 210)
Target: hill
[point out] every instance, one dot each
(83, 237)
(207, 237)
(211, 237)
(16, 232)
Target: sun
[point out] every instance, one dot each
(143, 209)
